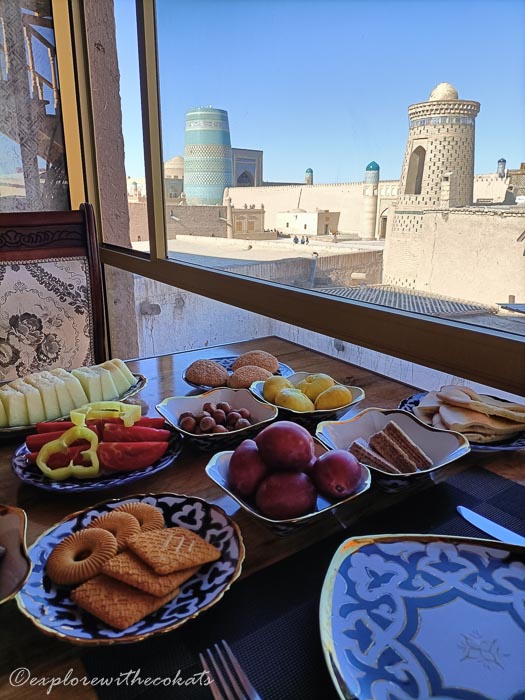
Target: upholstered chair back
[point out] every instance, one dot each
(51, 297)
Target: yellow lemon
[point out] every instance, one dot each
(273, 386)
(314, 384)
(294, 399)
(334, 397)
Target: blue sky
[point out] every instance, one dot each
(326, 83)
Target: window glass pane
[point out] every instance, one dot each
(33, 175)
(316, 144)
(148, 318)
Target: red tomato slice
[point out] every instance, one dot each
(137, 433)
(52, 426)
(62, 459)
(36, 441)
(126, 456)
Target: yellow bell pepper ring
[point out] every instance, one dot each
(128, 413)
(61, 444)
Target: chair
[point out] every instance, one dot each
(51, 297)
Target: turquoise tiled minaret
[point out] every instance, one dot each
(208, 165)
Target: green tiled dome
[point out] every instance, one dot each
(372, 166)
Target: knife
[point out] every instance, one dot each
(490, 527)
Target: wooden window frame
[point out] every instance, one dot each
(478, 354)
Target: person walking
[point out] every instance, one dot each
(295, 239)
(302, 240)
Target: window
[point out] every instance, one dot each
(416, 167)
(395, 329)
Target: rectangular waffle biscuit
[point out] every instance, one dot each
(130, 569)
(362, 451)
(116, 603)
(409, 447)
(172, 549)
(387, 448)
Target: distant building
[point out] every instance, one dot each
(308, 223)
(247, 167)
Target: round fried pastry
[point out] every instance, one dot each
(257, 358)
(243, 377)
(80, 556)
(121, 525)
(149, 517)
(207, 373)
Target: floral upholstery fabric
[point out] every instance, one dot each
(45, 316)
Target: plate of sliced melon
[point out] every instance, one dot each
(53, 394)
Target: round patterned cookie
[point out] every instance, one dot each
(257, 358)
(121, 525)
(149, 517)
(207, 373)
(80, 556)
(244, 377)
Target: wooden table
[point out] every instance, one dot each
(22, 645)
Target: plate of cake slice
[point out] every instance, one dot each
(393, 443)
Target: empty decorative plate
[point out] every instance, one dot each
(15, 564)
(416, 616)
(51, 609)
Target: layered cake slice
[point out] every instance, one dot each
(364, 453)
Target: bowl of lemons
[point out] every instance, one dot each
(308, 398)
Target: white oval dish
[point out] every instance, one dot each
(442, 446)
(217, 470)
(262, 414)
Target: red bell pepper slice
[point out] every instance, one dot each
(127, 456)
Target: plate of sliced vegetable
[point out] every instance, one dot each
(105, 452)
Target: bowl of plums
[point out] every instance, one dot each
(285, 478)
(219, 419)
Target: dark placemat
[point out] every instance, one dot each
(271, 620)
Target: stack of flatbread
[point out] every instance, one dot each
(479, 417)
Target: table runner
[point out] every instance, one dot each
(271, 619)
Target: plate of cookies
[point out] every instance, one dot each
(489, 423)
(130, 568)
(236, 372)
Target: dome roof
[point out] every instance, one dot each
(443, 92)
(372, 166)
(309, 170)
(174, 167)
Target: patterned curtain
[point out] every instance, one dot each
(33, 175)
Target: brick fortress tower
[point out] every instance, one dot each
(437, 175)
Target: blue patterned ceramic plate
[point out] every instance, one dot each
(227, 363)
(20, 430)
(51, 609)
(30, 474)
(515, 443)
(416, 616)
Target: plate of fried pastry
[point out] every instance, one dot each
(236, 372)
(487, 422)
(130, 568)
